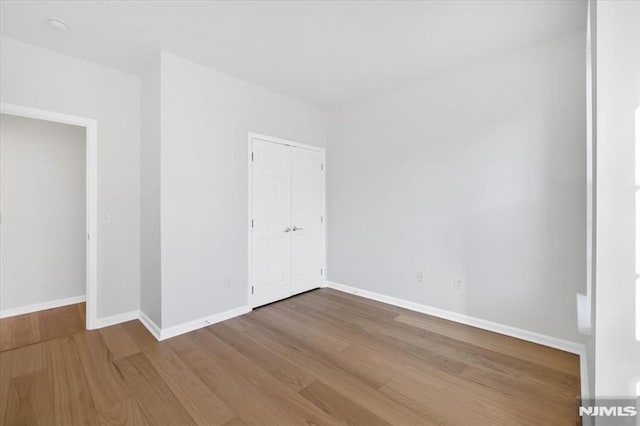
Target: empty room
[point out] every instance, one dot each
(320, 212)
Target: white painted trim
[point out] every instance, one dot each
(249, 216)
(553, 342)
(153, 328)
(250, 138)
(165, 333)
(176, 330)
(91, 196)
(12, 312)
(41, 114)
(281, 141)
(117, 319)
(584, 374)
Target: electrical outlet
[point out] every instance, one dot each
(458, 283)
(420, 277)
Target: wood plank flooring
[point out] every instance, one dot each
(323, 357)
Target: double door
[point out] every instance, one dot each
(287, 220)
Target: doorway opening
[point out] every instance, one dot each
(60, 192)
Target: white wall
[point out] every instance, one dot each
(478, 173)
(40, 78)
(150, 279)
(617, 360)
(591, 92)
(205, 118)
(42, 199)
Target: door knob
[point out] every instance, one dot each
(287, 229)
(295, 228)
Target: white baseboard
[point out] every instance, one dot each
(116, 319)
(553, 342)
(584, 375)
(153, 328)
(176, 330)
(158, 332)
(12, 312)
(165, 333)
(563, 345)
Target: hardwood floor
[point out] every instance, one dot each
(23, 330)
(323, 357)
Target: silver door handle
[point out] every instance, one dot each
(287, 229)
(295, 228)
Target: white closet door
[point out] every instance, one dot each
(271, 245)
(307, 210)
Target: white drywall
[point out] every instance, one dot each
(205, 119)
(478, 173)
(590, 299)
(39, 78)
(42, 199)
(617, 369)
(150, 279)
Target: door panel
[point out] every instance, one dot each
(271, 192)
(307, 210)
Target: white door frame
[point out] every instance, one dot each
(280, 141)
(91, 250)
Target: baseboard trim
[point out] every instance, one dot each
(166, 333)
(153, 328)
(117, 319)
(584, 375)
(12, 312)
(176, 330)
(530, 336)
(553, 342)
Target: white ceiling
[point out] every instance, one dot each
(325, 53)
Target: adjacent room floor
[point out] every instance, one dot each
(323, 357)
